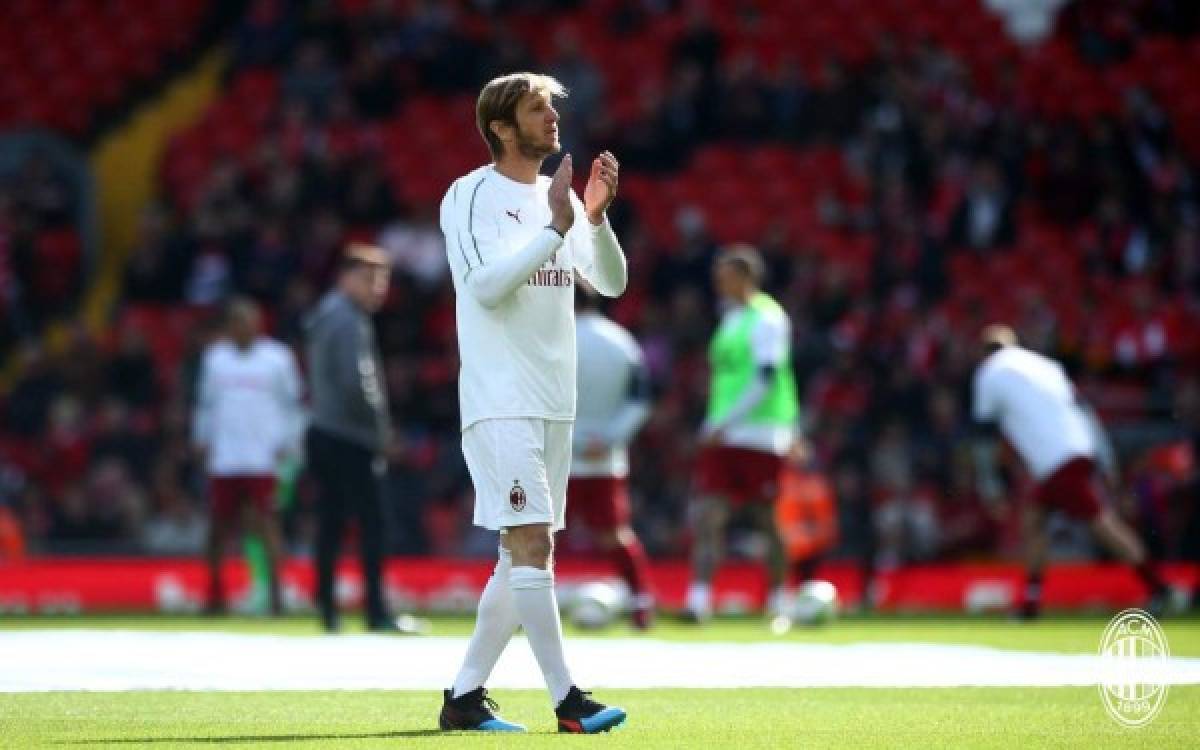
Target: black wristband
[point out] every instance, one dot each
(554, 229)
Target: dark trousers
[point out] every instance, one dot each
(347, 487)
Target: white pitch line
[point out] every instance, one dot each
(40, 660)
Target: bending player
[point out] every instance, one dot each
(1035, 406)
(749, 427)
(514, 241)
(614, 402)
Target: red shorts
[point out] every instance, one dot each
(231, 494)
(600, 503)
(740, 475)
(1072, 489)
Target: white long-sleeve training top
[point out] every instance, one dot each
(248, 408)
(514, 280)
(1034, 404)
(614, 396)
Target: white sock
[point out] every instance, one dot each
(777, 601)
(495, 623)
(533, 597)
(699, 598)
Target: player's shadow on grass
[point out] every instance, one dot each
(218, 740)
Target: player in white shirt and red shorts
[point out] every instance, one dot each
(1029, 397)
(248, 420)
(614, 403)
(514, 241)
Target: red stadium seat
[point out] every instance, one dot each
(111, 45)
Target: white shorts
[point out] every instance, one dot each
(519, 468)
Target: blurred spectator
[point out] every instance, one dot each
(907, 525)
(984, 219)
(116, 501)
(1147, 334)
(699, 44)
(789, 99)
(13, 323)
(969, 527)
(44, 193)
(938, 445)
(210, 279)
(156, 267)
(67, 450)
(1103, 32)
(690, 265)
(114, 439)
(372, 84)
(72, 519)
(311, 80)
(264, 36)
(417, 248)
(744, 112)
(269, 263)
(37, 384)
(584, 84)
(856, 529)
(41, 255)
(368, 200)
(1028, 21)
(643, 142)
(177, 528)
(322, 22)
(106, 505)
(131, 371)
(836, 103)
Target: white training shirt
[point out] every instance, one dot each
(613, 398)
(769, 340)
(1031, 399)
(248, 410)
(514, 281)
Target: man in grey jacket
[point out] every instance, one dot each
(350, 428)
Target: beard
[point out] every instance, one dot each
(535, 149)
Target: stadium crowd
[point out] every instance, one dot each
(41, 256)
(951, 177)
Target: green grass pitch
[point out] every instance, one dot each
(734, 718)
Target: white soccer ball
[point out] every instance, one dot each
(595, 606)
(816, 603)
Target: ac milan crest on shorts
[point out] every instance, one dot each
(516, 496)
(519, 468)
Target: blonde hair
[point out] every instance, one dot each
(998, 336)
(746, 259)
(499, 99)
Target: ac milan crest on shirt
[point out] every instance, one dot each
(516, 496)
